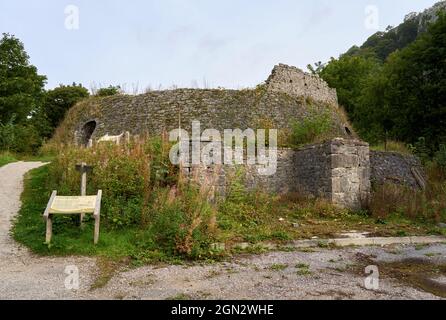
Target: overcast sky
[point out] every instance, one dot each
(229, 43)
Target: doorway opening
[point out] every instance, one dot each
(87, 132)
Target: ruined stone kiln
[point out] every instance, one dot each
(338, 170)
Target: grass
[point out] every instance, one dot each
(278, 267)
(303, 269)
(413, 272)
(107, 269)
(6, 157)
(392, 146)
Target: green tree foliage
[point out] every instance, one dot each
(59, 100)
(20, 138)
(381, 44)
(110, 91)
(348, 75)
(403, 98)
(21, 87)
(416, 87)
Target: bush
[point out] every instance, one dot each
(440, 157)
(110, 91)
(19, 138)
(421, 150)
(312, 129)
(127, 174)
(423, 205)
(141, 189)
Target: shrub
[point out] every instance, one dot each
(440, 157)
(142, 190)
(312, 129)
(127, 175)
(110, 91)
(19, 138)
(423, 205)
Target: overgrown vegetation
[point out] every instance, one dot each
(151, 213)
(393, 146)
(148, 212)
(391, 200)
(314, 128)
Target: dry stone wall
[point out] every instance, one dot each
(337, 170)
(392, 167)
(280, 101)
(160, 111)
(350, 173)
(294, 81)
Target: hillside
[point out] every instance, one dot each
(381, 44)
(392, 87)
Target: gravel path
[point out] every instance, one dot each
(22, 274)
(321, 274)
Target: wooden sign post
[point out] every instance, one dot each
(83, 168)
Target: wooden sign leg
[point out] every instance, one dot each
(49, 228)
(97, 221)
(83, 191)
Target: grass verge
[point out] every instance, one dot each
(6, 158)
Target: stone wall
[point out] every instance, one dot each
(338, 170)
(392, 167)
(278, 103)
(350, 173)
(313, 170)
(294, 81)
(160, 111)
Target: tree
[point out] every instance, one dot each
(21, 87)
(416, 90)
(59, 100)
(405, 99)
(347, 75)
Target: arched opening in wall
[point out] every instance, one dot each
(348, 131)
(87, 132)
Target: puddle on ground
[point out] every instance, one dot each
(418, 273)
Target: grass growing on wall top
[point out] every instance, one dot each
(392, 146)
